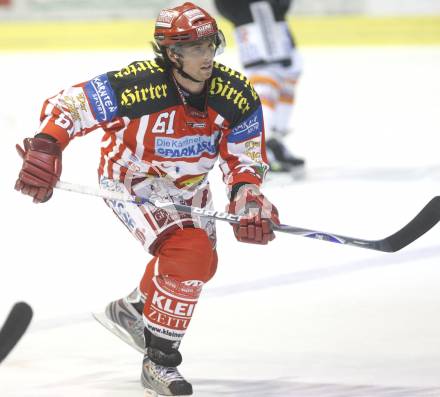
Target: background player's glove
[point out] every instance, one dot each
(41, 168)
(260, 214)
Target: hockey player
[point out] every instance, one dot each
(271, 61)
(165, 123)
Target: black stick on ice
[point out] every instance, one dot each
(428, 217)
(14, 327)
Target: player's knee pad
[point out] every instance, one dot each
(209, 269)
(187, 254)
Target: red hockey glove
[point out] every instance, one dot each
(41, 168)
(259, 212)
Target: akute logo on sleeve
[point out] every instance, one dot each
(247, 129)
(102, 98)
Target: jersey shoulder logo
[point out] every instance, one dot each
(231, 94)
(102, 98)
(248, 128)
(223, 74)
(142, 88)
(142, 92)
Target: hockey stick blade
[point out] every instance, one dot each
(424, 221)
(427, 218)
(14, 327)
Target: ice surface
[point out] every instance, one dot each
(297, 318)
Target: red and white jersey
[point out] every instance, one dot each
(148, 126)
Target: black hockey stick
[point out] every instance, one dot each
(14, 327)
(424, 221)
(417, 227)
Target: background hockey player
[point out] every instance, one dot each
(165, 123)
(271, 62)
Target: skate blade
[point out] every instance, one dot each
(152, 393)
(117, 330)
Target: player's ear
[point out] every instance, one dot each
(172, 55)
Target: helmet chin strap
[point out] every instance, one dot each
(187, 76)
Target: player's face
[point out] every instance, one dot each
(198, 58)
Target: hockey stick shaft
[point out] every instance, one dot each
(120, 196)
(424, 221)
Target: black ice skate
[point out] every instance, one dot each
(280, 158)
(160, 377)
(124, 319)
